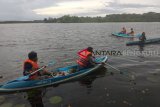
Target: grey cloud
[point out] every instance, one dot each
(118, 5)
(22, 9)
(115, 7)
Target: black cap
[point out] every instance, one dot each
(90, 49)
(32, 55)
(143, 33)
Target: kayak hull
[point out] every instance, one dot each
(22, 85)
(148, 41)
(123, 35)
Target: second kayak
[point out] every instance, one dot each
(148, 41)
(123, 35)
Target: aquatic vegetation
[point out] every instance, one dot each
(2, 99)
(55, 100)
(6, 105)
(20, 105)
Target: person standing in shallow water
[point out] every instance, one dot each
(31, 65)
(35, 97)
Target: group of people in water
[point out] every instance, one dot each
(86, 60)
(142, 37)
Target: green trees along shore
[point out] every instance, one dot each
(145, 17)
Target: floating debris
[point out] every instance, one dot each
(143, 91)
(126, 102)
(107, 94)
(6, 105)
(55, 100)
(132, 77)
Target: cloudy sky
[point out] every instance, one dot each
(39, 9)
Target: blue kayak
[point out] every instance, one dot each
(148, 41)
(21, 85)
(125, 35)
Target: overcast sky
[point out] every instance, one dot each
(39, 9)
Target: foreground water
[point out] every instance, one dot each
(138, 86)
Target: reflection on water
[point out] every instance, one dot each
(35, 97)
(88, 80)
(141, 48)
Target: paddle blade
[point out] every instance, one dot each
(22, 78)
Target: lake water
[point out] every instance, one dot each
(138, 86)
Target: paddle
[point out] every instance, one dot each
(114, 68)
(132, 76)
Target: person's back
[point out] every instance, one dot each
(132, 32)
(31, 65)
(85, 58)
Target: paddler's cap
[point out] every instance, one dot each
(143, 33)
(32, 55)
(90, 49)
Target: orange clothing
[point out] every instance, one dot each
(83, 57)
(35, 66)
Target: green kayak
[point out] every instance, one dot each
(124, 35)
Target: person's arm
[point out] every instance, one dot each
(27, 68)
(46, 72)
(92, 60)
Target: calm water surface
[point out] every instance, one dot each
(138, 86)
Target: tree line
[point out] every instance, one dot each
(146, 17)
